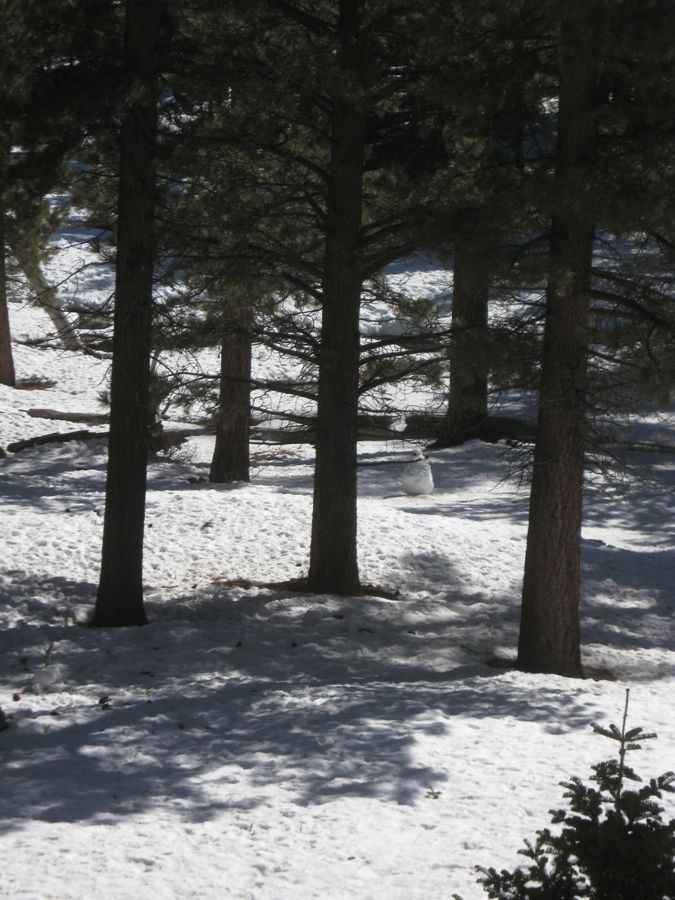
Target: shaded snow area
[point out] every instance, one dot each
(257, 743)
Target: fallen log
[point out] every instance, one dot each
(55, 437)
(363, 420)
(64, 416)
(164, 440)
(493, 430)
(419, 426)
(308, 435)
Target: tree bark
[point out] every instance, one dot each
(7, 373)
(119, 599)
(468, 394)
(230, 460)
(549, 629)
(333, 566)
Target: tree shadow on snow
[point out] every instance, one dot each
(36, 600)
(628, 596)
(245, 695)
(231, 694)
(201, 753)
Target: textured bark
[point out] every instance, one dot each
(230, 460)
(549, 630)
(333, 566)
(119, 599)
(468, 395)
(7, 373)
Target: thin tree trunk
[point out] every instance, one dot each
(333, 566)
(549, 629)
(46, 297)
(7, 374)
(230, 460)
(468, 395)
(119, 599)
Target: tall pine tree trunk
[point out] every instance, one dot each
(333, 566)
(230, 460)
(119, 599)
(468, 394)
(7, 374)
(549, 629)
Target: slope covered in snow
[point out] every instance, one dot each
(258, 743)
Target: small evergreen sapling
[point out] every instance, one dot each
(613, 844)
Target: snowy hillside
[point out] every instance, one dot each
(254, 743)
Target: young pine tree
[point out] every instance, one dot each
(613, 845)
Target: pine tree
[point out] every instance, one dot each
(468, 351)
(603, 61)
(491, 89)
(230, 461)
(55, 84)
(612, 844)
(549, 631)
(119, 599)
(333, 564)
(365, 213)
(320, 212)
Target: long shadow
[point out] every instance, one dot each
(653, 515)
(77, 481)
(43, 496)
(639, 608)
(353, 741)
(515, 510)
(64, 473)
(247, 693)
(648, 501)
(251, 690)
(139, 756)
(290, 484)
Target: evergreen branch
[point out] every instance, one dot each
(313, 23)
(633, 304)
(379, 232)
(641, 288)
(391, 378)
(374, 264)
(283, 387)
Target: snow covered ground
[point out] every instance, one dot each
(253, 743)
